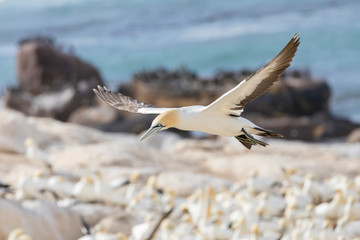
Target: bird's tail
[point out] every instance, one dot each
(248, 141)
(268, 133)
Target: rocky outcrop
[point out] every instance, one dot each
(354, 136)
(296, 94)
(44, 67)
(177, 88)
(317, 127)
(57, 223)
(15, 127)
(52, 83)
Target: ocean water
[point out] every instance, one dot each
(122, 37)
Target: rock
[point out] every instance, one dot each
(166, 88)
(39, 219)
(15, 128)
(94, 116)
(293, 97)
(57, 105)
(44, 67)
(118, 222)
(317, 127)
(124, 151)
(354, 136)
(52, 83)
(296, 94)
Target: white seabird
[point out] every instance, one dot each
(221, 117)
(36, 155)
(18, 234)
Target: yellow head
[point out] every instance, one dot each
(134, 176)
(163, 121)
(167, 119)
(61, 179)
(29, 142)
(121, 236)
(87, 180)
(39, 174)
(18, 233)
(152, 182)
(255, 229)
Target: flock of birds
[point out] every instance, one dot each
(297, 207)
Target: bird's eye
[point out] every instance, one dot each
(159, 125)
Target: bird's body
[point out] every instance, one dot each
(221, 117)
(85, 190)
(18, 234)
(194, 118)
(37, 156)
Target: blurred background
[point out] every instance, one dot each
(72, 167)
(121, 38)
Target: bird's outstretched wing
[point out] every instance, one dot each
(233, 101)
(122, 102)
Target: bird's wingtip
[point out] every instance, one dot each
(296, 37)
(103, 89)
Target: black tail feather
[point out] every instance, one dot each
(268, 133)
(247, 140)
(244, 141)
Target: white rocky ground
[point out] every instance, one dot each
(181, 167)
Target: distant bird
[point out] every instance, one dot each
(256, 184)
(85, 190)
(37, 156)
(61, 186)
(222, 117)
(32, 187)
(18, 234)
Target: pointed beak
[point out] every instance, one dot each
(150, 132)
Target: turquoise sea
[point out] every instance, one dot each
(122, 37)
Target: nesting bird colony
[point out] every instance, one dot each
(297, 207)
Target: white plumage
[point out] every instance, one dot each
(18, 234)
(36, 155)
(61, 186)
(32, 187)
(222, 117)
(85, 190)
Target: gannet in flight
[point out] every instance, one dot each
(221, 117)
